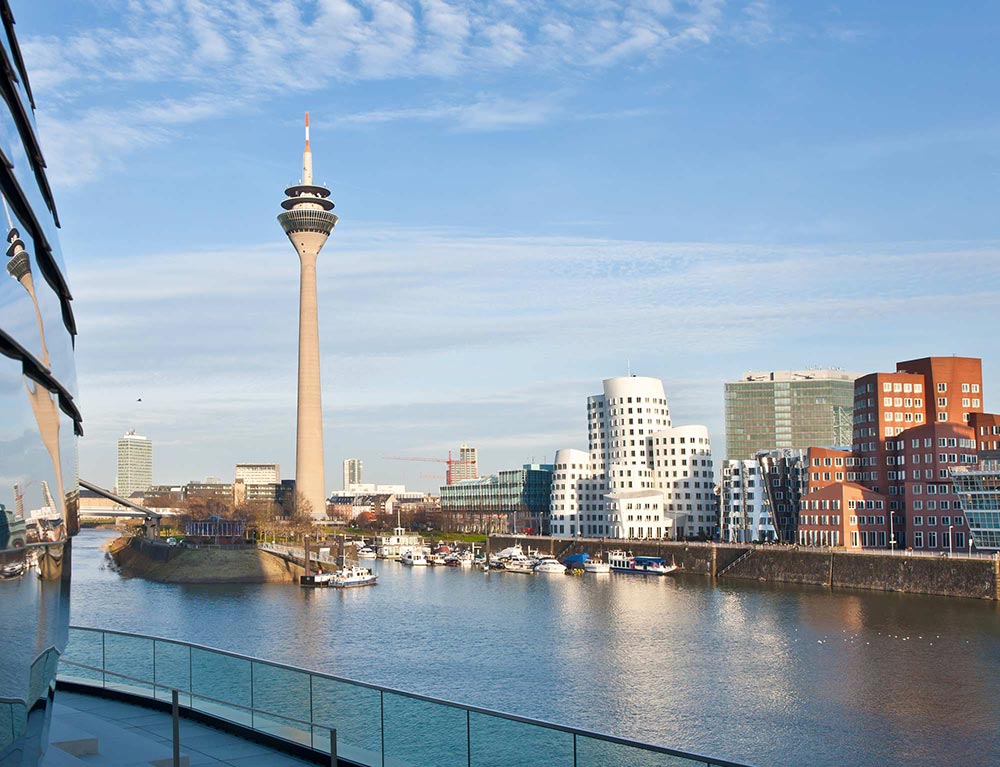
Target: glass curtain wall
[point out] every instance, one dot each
(40, 424)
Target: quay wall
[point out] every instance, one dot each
(158, 562)
(943, 576)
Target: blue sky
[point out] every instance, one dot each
(531, 195)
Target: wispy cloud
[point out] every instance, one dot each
(493, 339)
(96, 85)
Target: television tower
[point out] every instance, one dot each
(308, 222)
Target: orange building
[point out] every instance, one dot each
(843, 514)
(954, 386)
(986, 431)
(934, 519)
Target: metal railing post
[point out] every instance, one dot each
(175, 712)
(381, 722)
(468, 737)
(104, 660)
(251, 697)
(574, 749)
(333, 748)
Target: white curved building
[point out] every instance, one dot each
(642, 478)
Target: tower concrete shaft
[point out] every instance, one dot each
(308, 222)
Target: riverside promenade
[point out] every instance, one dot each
(960, 575)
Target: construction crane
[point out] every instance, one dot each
(449, 477)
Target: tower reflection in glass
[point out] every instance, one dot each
(38, 483)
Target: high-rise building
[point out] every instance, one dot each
(642, 477)
(467, 465)
(787, 409)
(352, 472)
(258, 473)
(135, 464)
(38, 450)
(893, 444)
(308, 222)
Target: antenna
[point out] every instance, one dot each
(10, 224)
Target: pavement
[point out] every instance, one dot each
(97, 732)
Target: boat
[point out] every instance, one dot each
(596, 566)
(452, 560)
(625, 562)
(413, 558)
(367, 552)
(392, 546)
(346, 577)
(550, 565)
(435, 559)
(518, 566)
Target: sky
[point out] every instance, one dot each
(533, 196)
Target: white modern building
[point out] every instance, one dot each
(642, 477)
(352, 472)
(467, 465)
(258, 473)
(135, 464)
(746, 513)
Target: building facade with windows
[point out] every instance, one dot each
(746, 515)
(467, 465)
(511, 501)
(258, 473)
(352, 472)
(41, 423)
(135, 465)
(977, 490)
(642, 477)
(787, 409)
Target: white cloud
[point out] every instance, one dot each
(496, 339)
(100, 81)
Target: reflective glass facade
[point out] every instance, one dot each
(978, 490)
(521, 495)
(788, 409)
(38, 480)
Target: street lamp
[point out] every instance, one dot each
(950, 528)
(892, 532)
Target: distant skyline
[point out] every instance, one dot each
(532, 196)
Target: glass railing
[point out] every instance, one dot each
(375, 726)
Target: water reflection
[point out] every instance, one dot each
(742, 670)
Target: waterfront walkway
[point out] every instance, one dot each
(99, 732)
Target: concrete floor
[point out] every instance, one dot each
(133, 736)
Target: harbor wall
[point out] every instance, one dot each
(179, 564)
(943, 576)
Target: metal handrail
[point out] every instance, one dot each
(575, 731)
(194, 694)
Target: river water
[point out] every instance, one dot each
(769, 675)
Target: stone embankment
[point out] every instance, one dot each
(958, 577)
(139, 558)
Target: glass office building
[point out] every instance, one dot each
(788, 409)
(517, 498)
(38, 481)
(978, 490)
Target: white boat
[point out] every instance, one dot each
(366, 552)
(625, 562)
(518, 566)
(550, 565)
(596, 566)
(413, 558)
(435, 559)
(344, 578)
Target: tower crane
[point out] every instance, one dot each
(449, 460)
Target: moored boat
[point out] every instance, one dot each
(625, 562)
(596, 566)
(550, 565)
(413, 558)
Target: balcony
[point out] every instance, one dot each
(308, 714)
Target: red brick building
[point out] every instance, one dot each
(924, 401)
(843, 514)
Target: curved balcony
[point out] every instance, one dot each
(374, 726)
(307, 220)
